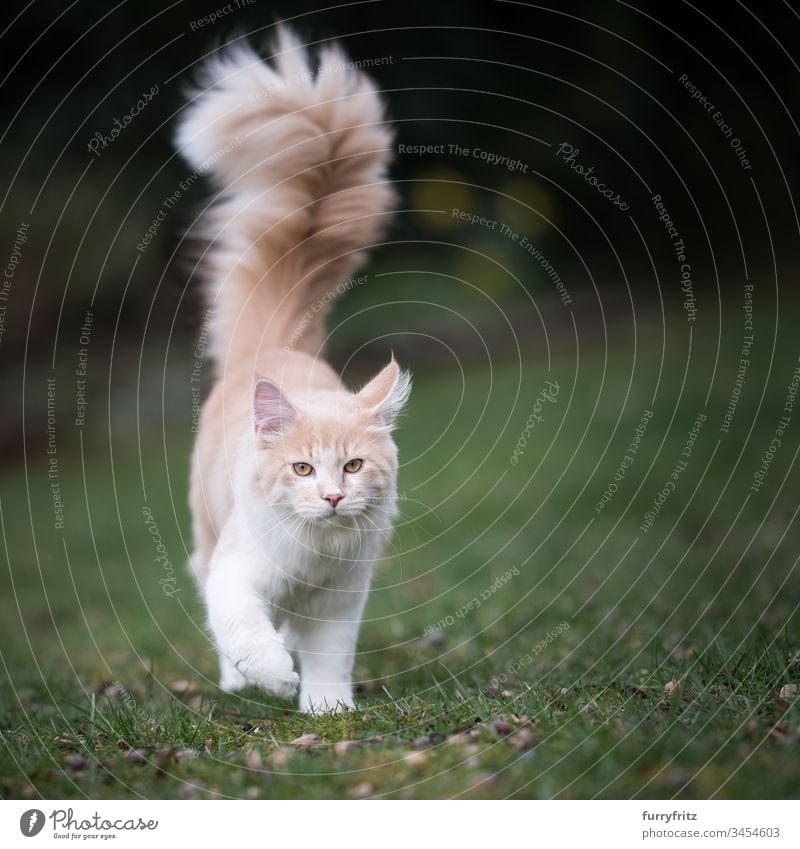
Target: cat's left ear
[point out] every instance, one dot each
(386, 394)
(272, 412)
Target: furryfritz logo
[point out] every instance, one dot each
(31, 822)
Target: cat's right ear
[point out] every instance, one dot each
(386, 394)
(272, 412)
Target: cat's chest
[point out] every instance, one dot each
(306, 572)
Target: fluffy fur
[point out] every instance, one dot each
(284, 559)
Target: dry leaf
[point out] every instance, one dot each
(136, 756)
(279, 758)
(252, 759)
(75, 761)
(361, 790)
(501, 725)
(189, 791)
(459, 739)
(305, 741)
(521, 739)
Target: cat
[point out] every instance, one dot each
(293, 482)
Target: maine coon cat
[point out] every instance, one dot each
(294, 477)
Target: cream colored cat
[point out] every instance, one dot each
(294, 477)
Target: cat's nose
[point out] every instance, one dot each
(333, 498)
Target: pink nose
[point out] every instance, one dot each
(333, 498)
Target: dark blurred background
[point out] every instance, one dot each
(512, 78)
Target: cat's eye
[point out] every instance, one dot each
(302, 469)
(353, 465)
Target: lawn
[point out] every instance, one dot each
(525, 638)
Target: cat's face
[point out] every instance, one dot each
(330, 459)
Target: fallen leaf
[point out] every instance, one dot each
(521, 739)
(501, 725)
(75, 761)
(136, 756)
(189, 791)
(361, 790)
(459, 739)
(789, 691)
(305, 741)
(252, 759)
(183, 687)
(66, 739)
(279, 758)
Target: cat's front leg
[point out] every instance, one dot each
(326, 649)
(230, 679)
(247, 641)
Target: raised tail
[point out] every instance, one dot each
(299, 157)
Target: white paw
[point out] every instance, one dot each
(333, 700)
(271, 667)
(230, 679)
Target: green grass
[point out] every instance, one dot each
(669, 681)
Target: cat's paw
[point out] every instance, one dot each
(333, 700)
(272, 669)
(230, 679)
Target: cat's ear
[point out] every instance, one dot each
(272, 412)
(386, 394)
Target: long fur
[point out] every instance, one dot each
(299, 157)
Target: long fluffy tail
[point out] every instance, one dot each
(299, 158)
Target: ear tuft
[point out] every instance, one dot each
(387, 393)
(272, 412)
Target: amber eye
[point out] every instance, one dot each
(302, 469)
(353, 465)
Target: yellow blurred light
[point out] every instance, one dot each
(437, 193)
